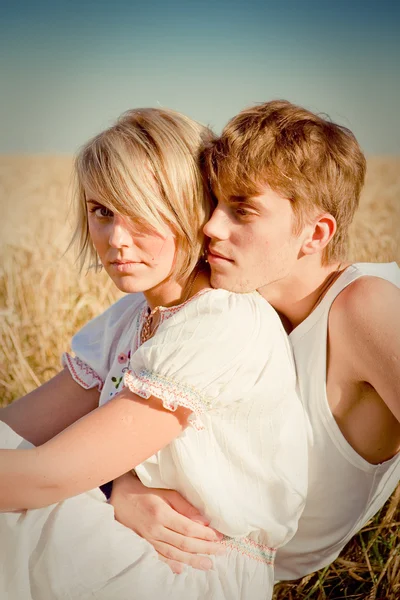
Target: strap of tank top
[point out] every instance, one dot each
(353, 272)
(357, 270)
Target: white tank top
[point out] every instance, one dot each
(345, 490)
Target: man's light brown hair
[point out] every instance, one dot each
(315, 163)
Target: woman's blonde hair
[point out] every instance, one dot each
(147, 167)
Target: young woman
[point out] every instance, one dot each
(195, 390)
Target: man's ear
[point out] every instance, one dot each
(322, 231)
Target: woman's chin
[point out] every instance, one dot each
(130, 288)
(129, 285)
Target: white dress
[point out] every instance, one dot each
(242, 462)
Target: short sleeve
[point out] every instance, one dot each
(94, 345)
(195, 356)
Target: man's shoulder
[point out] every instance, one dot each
(363, 299)
(363, 315)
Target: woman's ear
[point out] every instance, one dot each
(321, 232)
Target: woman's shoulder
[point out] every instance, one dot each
(228, 315)
(115, 318)
(230, 304)
(125, 308)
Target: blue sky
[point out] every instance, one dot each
(69, 68)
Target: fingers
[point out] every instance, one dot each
(187, 527)
(175, 528)
(176, 559)
(177, 550)
(186, 509)
(175, 567)
(189, 545)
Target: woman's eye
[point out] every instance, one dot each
(105, 212)
(101, 212)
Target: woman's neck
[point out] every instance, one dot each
(172, 292)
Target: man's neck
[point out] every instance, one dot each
(299, 293)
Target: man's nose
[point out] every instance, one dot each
(119, 233)
(217, 226)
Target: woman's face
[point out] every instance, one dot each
(137, 259)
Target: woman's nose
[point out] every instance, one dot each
(119, 233)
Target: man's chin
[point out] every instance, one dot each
(231, 284)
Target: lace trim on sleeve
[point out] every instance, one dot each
(170, 392)
(81, 372)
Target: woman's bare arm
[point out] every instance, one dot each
(51, 408)
(153, 514)
(98, 448)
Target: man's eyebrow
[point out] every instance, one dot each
(252, 200)
(237, 198)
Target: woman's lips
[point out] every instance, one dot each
(126, 266)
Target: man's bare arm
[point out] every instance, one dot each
(175, 528)
(370, 320)
(51, 408)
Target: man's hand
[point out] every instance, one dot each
(173, 527)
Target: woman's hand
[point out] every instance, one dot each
(173, 527)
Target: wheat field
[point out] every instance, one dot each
(44, 300)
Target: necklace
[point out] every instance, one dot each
(152, 319)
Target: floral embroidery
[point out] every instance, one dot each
(116, 381)
(81, 372)
(122, 358)
(139, 324)
(251, 549)
(165, 313)
(173, 309)
(172, 393)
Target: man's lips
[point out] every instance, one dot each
(217, 256)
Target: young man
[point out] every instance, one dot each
(287, 184)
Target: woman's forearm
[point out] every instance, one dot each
(98, 448)
(51, 408)
(26, 480)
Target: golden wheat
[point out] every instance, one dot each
(43, 301)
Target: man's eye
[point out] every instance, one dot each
(242, 212)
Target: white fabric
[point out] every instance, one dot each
(345, 491)
(243, 463)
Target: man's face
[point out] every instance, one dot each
(252, 243)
